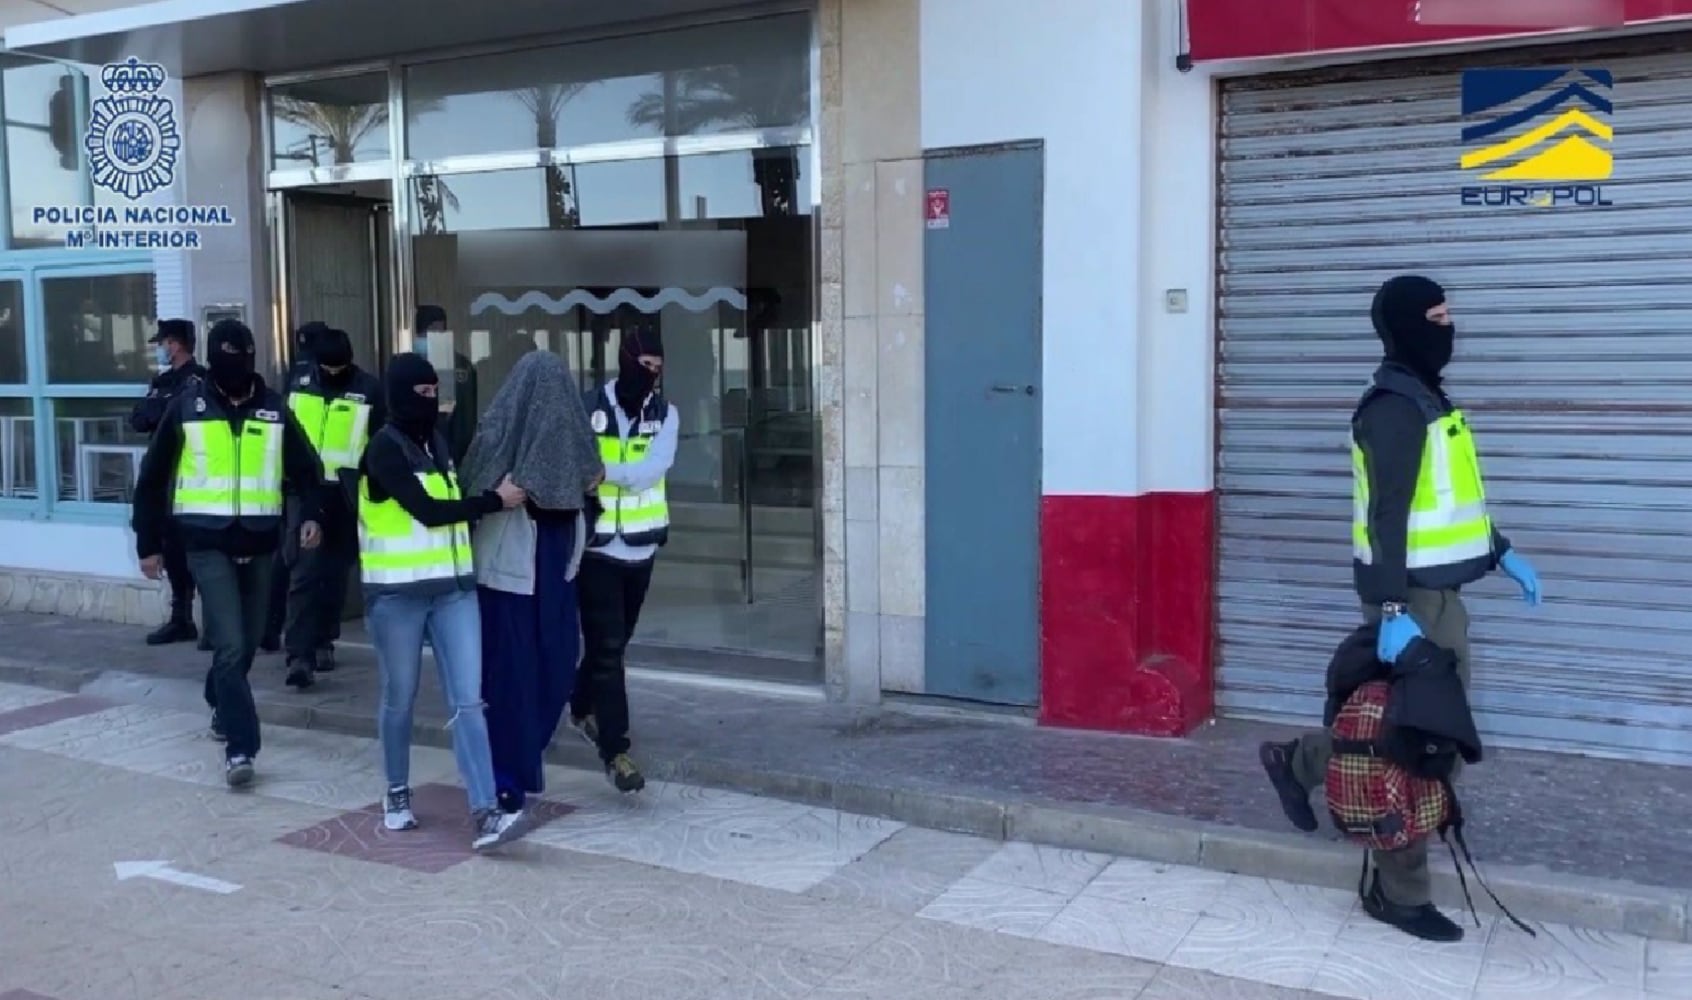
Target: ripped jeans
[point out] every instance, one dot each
(453, 624)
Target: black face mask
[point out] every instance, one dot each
(415, 415)
(1410, 338)
(635, 381)
(335, 380)
(232, 373)
(229, 356)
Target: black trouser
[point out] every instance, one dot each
(317, 588)
(610, 593)
(180, 577)
(276, 600)
(233, 593)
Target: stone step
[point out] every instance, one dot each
(726, 517)
(698, 545)
(722, 579)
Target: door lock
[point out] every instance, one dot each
(1026, 390)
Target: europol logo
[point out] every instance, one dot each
(1539, 137)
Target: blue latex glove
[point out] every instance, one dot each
(1518, 569)
(1396, 633)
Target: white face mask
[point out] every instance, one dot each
(161, 356)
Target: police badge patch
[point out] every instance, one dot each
(132, 140)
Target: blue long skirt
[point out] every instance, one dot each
(531, 645)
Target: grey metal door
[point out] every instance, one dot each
(1574, 363)
(982, 288)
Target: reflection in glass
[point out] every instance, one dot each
(43, 155)
(740, 184)
(14, 368)
(97, 328)
(769, 90)
(321, 123)
(99, 454)
(727, 286)
(716, 78)
(17, 450)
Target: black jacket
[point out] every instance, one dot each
(1391, 429)
(164, 387)
(1428, 722)
(152, 515)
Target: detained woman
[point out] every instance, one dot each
(536, 433)
(419, 581)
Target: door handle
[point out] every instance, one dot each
(1027, 390)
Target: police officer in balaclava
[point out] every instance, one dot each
(1408, 580)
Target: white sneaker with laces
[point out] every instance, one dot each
(396, 809)
(495, 827)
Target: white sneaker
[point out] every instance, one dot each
(396, 809)
(494, 827)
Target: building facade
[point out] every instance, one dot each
(1014, 348)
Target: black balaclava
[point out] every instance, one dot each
(231, 370)
(306, 339)
(413, 414)
(1410, 338)
(334, 348)
(428, 316)
(635, 381)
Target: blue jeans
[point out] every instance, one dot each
(453, 624)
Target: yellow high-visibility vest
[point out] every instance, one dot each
(1449, 524)
(396, 552)
(227, 472)
(337, 427)
(637, 517)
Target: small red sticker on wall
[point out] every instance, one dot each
(939, 209)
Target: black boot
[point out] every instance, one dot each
(1295, 798)
(204, 645)
(270, 644)
(175, 630)
(302, 673)
(326, 660)
(1425, 921)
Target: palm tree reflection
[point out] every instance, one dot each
(546, 102)
(768, 93)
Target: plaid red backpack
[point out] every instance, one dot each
(1374, 801)
(1383, 805)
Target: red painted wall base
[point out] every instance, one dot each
(1126, 612)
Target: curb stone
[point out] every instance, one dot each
(1535, 893)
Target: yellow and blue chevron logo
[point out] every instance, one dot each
(1537, 124)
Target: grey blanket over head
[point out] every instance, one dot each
(536, 430)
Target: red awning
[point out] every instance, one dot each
(1243, 29)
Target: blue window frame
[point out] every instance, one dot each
(76, 432)
(70, 367)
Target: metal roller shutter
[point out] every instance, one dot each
(1574, 359)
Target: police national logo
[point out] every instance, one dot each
(132, 139)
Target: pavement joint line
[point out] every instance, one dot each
(1534, 893)
(686, 678)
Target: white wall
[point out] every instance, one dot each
(80, 549)
(1068, 73)
(1177, 397)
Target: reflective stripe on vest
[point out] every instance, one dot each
(338, 429)
(395, 549)
(1448, 519)
(640, 518)
(220, 477)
